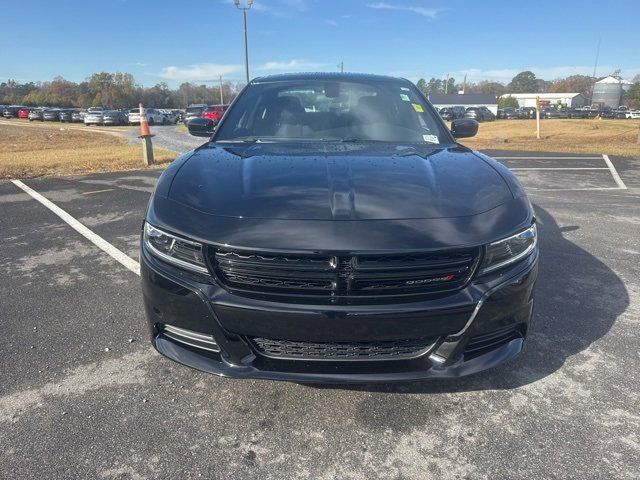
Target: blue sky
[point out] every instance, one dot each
(176, 41)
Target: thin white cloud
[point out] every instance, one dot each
(429, 13)
(201, 72)
(547, 73)
(290, 65)
(333, 23)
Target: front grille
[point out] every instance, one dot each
(344, 275)
(379, 350)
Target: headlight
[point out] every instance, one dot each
(178, 251)
(510, 250)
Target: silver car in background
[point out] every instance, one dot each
(94, 117)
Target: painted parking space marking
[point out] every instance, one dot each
(537, 157)
(614, 173)
(93, 237)
(98, 191)
(560, 168)
(588, 164)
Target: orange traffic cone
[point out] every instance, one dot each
(144, 124)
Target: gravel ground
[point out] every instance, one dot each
(84, 396)
(169, 137)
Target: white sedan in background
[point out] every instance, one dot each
(635, 114)
(154, 116)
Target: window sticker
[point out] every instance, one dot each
(417, 107)
(405, 97)
(431, 138)
(405, 89)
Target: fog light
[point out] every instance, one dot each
(189, 337)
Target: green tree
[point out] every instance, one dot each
(632, 96)
(573, 84)
(524, 82)
(508, 101)
(422, 86)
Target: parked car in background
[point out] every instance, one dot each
(23, 112)
(194, 111)
(528, 112)
(114, 117)
(550, 112)
(51, 115)
(480, 114)
(35, 114)
(93, 117)
(508, 113)
(66, 115)
(11, 111)
(214, 112)
(171, 116)
(633, 114)
(577, 113)
(154, 116)
(451, 113)
(78, 116)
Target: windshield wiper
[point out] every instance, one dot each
(243, 140)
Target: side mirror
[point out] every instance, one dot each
(201, 127)
(464, 127)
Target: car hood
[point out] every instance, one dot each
(338, 182)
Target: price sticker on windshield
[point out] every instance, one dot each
(417, 107)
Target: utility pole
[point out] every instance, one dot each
(538, 117)
(341, 65)
(221, 97)
(244, 32)
(446, 85)
(595, 66)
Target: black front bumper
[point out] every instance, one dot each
(474, 329)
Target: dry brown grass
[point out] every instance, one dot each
(612, 137)
(31, 151)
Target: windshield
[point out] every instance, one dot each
(332, 110)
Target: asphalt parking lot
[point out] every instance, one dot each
(83, 395)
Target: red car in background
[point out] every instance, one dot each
(214, 112)
(23, 113)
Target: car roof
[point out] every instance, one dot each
(328, 76)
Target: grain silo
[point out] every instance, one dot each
(608, 92)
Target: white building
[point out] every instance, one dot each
(529, 99)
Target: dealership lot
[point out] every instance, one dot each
(83, 395)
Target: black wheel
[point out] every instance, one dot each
(151, 122)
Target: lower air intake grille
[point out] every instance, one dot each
(379, 350)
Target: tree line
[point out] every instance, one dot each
(526, 82)
(119, 90)
(114, 90)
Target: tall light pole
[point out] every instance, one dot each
(244, 30)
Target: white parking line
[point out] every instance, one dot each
(560, 168)
(614, 173)
(94, 238)
(547, 158)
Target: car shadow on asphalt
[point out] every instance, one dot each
(577, 300)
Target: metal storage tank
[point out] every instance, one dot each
(607, 92)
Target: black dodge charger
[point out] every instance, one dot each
(332, 230)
